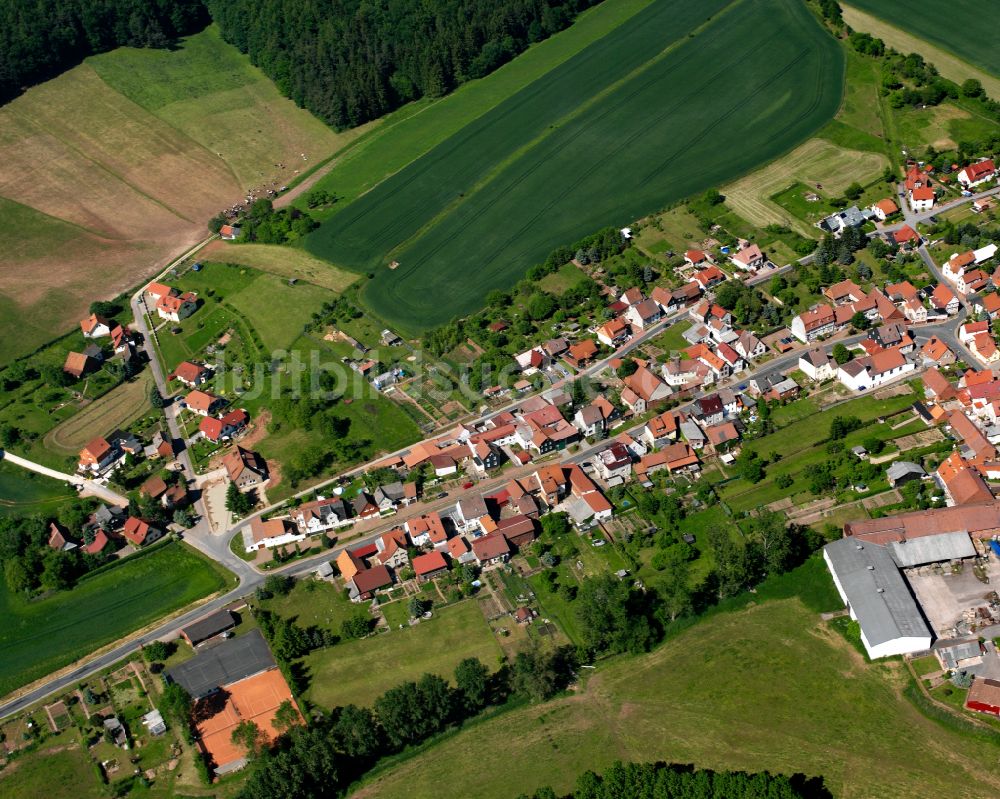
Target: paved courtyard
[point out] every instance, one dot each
(944, 596)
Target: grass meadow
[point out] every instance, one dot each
(630, 123)
(42, 635)
(24, 493)
(360, 671)
(56, 771)
(768, 686)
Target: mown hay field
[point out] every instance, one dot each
(815, 162)
(116, 409)
(769, 687)
(43, 635)
(115, 167)
(951, 26)
(677, 99)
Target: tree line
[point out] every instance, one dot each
(672, 781)
(349, 62)
(41, 38)
(322, 758)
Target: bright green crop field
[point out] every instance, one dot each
(40, 636)
(956, 25)
(674, 100)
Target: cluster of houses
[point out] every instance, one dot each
(123, 345)
(634, 312)
(102, 455)
(108, 530)
(896, 303)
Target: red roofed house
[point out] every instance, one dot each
(936, 386)
(158, 290)
(696, 257)
(915, 178)
(708, 277)
(944, 299)
(175, 307)
(97, 544)
(613, 333)
(991, 304)
(519, 530)
(582, 352)
(96, 456)
(429, 565)
(77, 365)
(956, 265)
(363, 585)
(906, 236)
(978, 173)
(58, 541)
(244, 467)
(921, 198)
(971, 281)
(229, 232)
(491, 549)
(95, 326)
(201, 402)
(984, 696)
(229, 425)
(883, 209)
(816, 322)
(844, 292)
(140, 532)
(749, 258)
(961, 482)
(191, 374)
(936, 351)
(645, 388)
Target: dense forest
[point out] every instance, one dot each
(41, 38)
(350, 61)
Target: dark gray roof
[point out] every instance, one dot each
(392, 491)
(900, 469)
(210, 626)
(951, 652)
(106, 516)
(879, 596)
(232, 660)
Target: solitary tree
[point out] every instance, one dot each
(249, 736)
(840, 353)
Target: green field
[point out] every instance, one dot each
(25, 493)
(54, 771)
(676, 99)
(769, 687)
(949, 25)
(41, 636)
(210, 91)
(360, 671)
